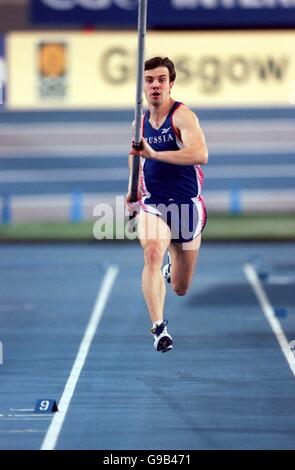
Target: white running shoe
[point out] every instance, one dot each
(163, 341)
(166, 270)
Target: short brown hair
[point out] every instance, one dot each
(161, 62)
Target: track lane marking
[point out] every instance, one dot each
(269, 313)
(52, 434)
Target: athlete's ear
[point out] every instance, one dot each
(171, 85)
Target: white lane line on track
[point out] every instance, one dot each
(21, 409)
(26, 418)
(25, 415)
(20, 431)
(238, 125)
(54, 429)
(281, 280)
(121, 173)
(64, 174)
(227, 149)
(269, 313)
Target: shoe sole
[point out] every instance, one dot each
(165, 344)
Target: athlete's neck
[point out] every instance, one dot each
(158, 113)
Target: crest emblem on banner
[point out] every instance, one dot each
(52, 69)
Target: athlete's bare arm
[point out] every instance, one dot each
(194, 149)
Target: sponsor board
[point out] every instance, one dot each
(76, 70)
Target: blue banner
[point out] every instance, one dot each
(104, 13)
(165, 14)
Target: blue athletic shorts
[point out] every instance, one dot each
(186, 219)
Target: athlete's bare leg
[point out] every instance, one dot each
(155, 238)
(184, 257)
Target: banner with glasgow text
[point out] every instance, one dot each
(76, 70)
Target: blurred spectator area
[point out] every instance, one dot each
(51, 162)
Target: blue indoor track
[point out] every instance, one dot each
(225, 385)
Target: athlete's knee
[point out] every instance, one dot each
(153, 253)
(180, 288)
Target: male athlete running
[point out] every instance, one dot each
(172, 212)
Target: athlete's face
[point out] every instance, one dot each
(157, 86)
